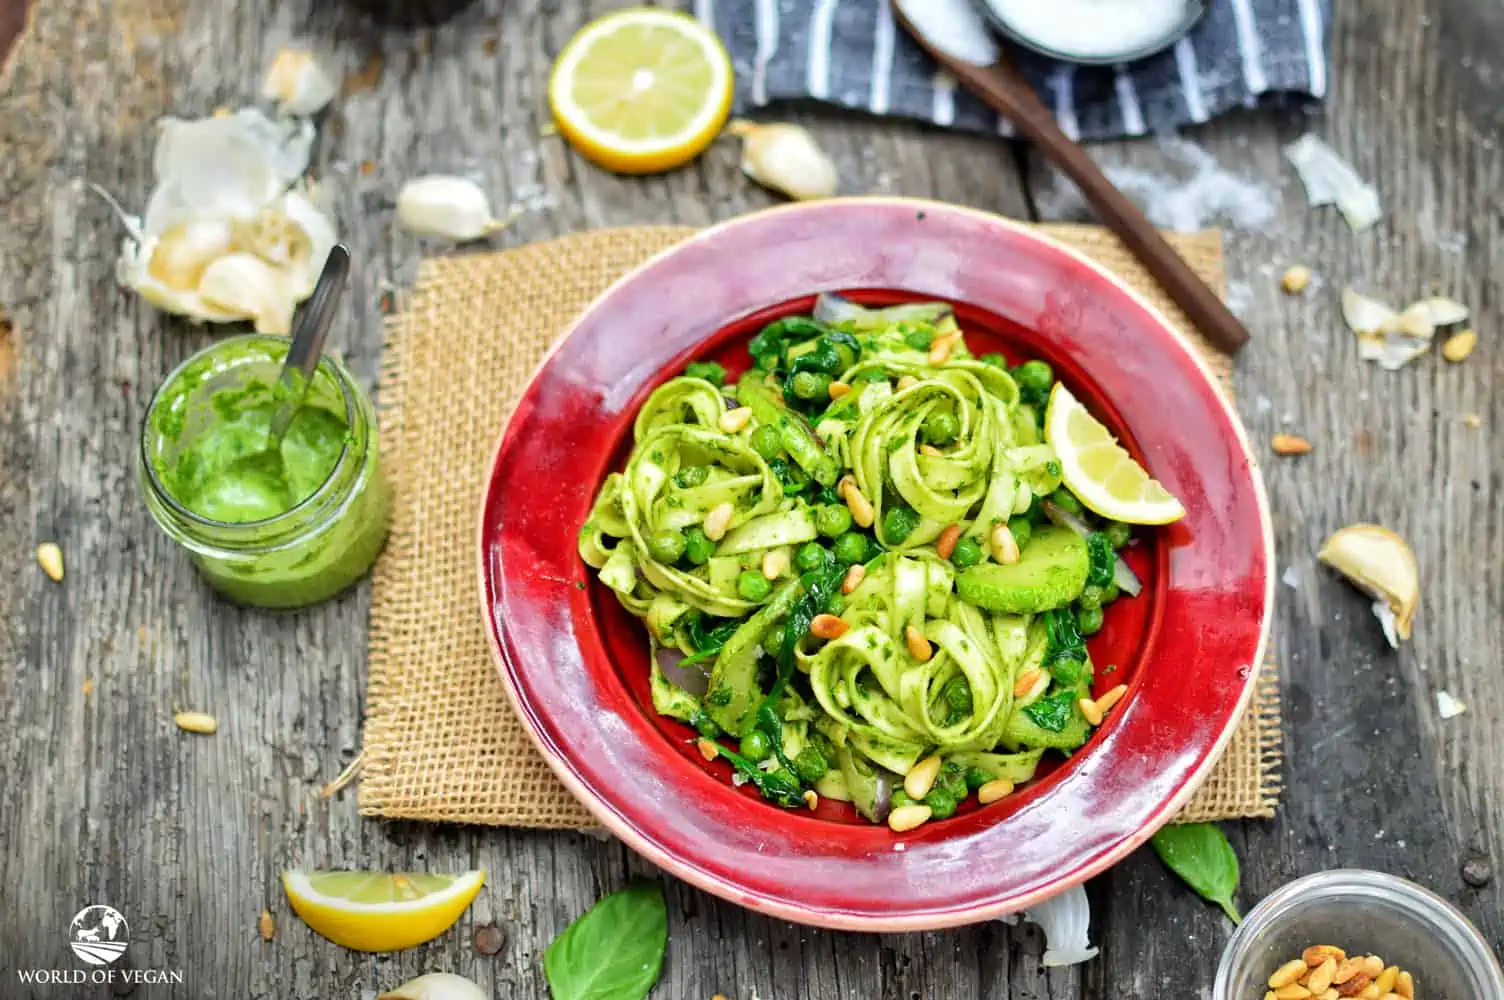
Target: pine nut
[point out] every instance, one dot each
(267, 925)
(1089, 709)
(811, 799)
(1321, 977)
(733, 421)
(997, 788)
(839, 389)
(1404, 985)
(1391, 996)
(1296, 279)
(1459, 345)
(708, 749)
(1269, 995)
(921, 777)
(50, 558)
(1347, 969)
(908, 381)
(718, 520)
(1387, 979)
(828, 627)
(1331, 994)
(1288, 973)
(860, 507)
(1026, 682)
(775, 563)
(1370, 992)
(942, 347)
(1004, 545)
(919, 647)
(906, 818)
(931, 451)
(1290, 444)
(1111, 698)
(1373, 966)
(854, 577)
(1354, 986)
(196, 722)
(1294, 991)
(1318, 953)
(946, 543)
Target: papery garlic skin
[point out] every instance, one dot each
(450, 208)
(787, 159)
(436, 986)
(297, 84)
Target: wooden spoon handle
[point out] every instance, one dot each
(1007, 91)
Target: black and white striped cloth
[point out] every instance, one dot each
(851, 53)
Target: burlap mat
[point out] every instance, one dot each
(441, 740)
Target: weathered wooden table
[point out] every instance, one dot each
(102, 800)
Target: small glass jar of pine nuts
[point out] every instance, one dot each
(1381, 936)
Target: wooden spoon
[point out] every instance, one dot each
(952, 32)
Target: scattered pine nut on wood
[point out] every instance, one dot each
(1459, 345)
(196, 722)
(1290, 444)
(267, 925)
(1296, 279)
(50, 558)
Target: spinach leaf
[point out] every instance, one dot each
(613, 952)
(1053, 712)
(709, 634)
(707, 370)
(1104, 559)
(1065, 652)
(1200, 854)
(769, 347)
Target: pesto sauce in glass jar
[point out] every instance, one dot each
(273, 527)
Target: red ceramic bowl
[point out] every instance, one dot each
(575, 664)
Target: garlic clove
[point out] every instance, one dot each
(1380, 563)
(786, 158)
(436, 986)
(1415, 321)
(248, 286)
(300, 208)
(181, 254)
(297, 84)
(1364, 315)
(1443, 311)
(451, 208)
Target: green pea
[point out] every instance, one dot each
(667, 546)
(835, 604)
(810, 765)
(941, 427)
(753, 586)
(1089, 621)
(995, 360)
(898, 524)
(691, 476)
(767, 442)
(851, 548)
(1110, 593)
(976, 778)
(942, 803)
(773, 641)
(706, 726)
(833, 520)
(967, 553)
(1091, 598)
(901, 798)
(709, 371)
(920, 338)
(1118, 533)
(698, 548)
(811, 385)
(810, 557)
(1066, 501)
(1034, 377)
(1021, 530)
(756, 746)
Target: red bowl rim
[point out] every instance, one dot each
(933, 919)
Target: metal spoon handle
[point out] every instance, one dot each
(310, 328)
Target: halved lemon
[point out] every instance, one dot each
(1099, 471)
(642, 90)
(380, 911)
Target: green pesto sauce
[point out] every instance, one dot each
(229, 472)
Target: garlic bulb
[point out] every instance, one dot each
(787, 159)
(1380, 563)
(436, 986)
(297, 84)
(230, 232)
(450, 208)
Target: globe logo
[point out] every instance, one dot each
(98, 934)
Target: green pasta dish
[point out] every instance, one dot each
(862, 572)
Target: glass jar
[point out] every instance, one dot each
(273, 528)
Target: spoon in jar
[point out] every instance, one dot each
(955, 35)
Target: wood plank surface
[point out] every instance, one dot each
(105, 801)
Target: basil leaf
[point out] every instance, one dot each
(613, 952)
(1200, 854)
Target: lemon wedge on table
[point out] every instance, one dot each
(642, 90)
(380, 911)
(1099, 471)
